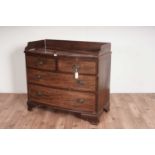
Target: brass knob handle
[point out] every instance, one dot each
(39, 94)
(75, 67)
(38, 77)
(80, 82)
(40, 62)
(80, 100)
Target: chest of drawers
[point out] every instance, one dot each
(71, 76)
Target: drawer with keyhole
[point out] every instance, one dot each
(79, 65)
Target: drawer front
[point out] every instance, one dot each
(61, 80)
(40, 62)
(84, 66)
(61, 98)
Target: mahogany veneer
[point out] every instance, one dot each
(69, 75)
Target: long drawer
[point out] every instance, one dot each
(61, 80)
(62, 98)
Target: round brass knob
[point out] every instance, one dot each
(75, 67)
(38, 76)
(40, 62)
(39, 94)
(80, 100)
(80, 82)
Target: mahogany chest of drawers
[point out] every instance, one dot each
(71, 76)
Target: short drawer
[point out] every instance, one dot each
(62, 80)
(84, 66)
(60, 98)
(40, 62)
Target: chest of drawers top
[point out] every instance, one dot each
(68, 48)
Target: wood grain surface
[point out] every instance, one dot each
(62, 98)
(66, 81)
(40, 62)
(85, 66)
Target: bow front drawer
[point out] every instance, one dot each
(61, 80)
(61, 98)
(40, 62)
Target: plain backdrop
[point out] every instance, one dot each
(133, 54)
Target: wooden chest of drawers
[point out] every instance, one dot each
(69, 75)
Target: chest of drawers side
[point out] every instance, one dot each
(104, 65)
